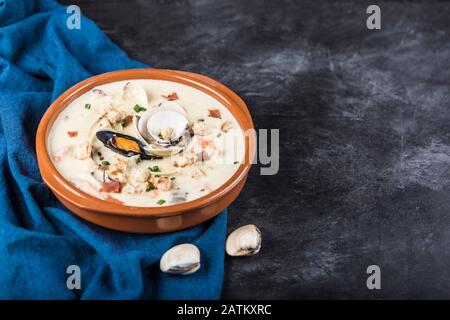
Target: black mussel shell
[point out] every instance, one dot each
(108, 137)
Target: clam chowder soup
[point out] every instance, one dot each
(146, 143)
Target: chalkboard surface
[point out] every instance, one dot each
(364, 119)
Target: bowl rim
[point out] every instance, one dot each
(83, 200)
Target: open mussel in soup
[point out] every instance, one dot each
(123, 144)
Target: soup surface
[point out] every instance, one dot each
(146, 143)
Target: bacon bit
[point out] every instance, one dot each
(72, 134)
(171, 97)
(214, 113)
(128, 119)
(58, 158)
(113, 186)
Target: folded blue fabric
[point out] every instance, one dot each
(39, 238)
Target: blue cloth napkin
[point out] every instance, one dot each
(39, 238)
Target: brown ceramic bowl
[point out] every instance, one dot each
(137, 219)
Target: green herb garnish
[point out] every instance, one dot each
(138, 159)
(172, 178)
(105, 163)
(236, 162)
(87, 106)
(154, 169)
(149, 188)
(218, 135)
(161, 201)
(137, 108)
(122, 122)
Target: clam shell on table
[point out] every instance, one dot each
(123, 144)
(182, 259)
(244, 241)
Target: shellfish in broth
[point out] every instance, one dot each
(163, 129)
(122, 144)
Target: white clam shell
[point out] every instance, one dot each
(148, 126)
(162, 152)
(164, 106)
(136, 124)
(171, 106)
(141, 124)
(244, 241)
(182, 259)
(135, 93)
(153, 149)
(167, 119)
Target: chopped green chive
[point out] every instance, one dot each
(138, 159)
(157, 175)
(161, 201)
(137, 108)
(105, 163)
(236, 162)
(172, 178)
(154, 169)
(150, 187)
(122, 122)
(87, 106)
(218, 135)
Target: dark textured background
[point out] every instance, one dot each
(365, 134)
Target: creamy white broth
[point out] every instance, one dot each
(73, 133)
